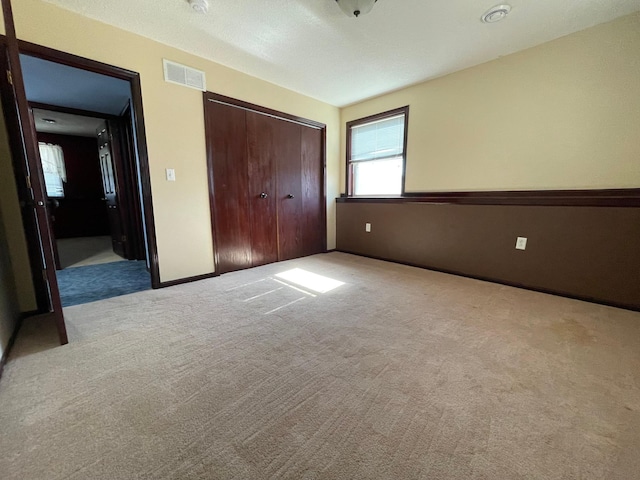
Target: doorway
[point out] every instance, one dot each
(111, 232)
(95, 213)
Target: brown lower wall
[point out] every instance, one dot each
(591, 253)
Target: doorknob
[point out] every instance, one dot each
(263, 195)
(290, 195)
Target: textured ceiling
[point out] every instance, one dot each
(66, 124)
(311, 47)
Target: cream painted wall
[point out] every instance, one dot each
(8, 303)
(11, 220)
(174, 123)
(562, 115)
(11, 300)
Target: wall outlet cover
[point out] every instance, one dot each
(367, 227)
(521, 243)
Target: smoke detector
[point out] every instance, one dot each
(495, 14)
(199, 6)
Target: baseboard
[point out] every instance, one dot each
(180, 281)
(501, 282)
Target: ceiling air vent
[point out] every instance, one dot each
(183, 75)
(495, 14)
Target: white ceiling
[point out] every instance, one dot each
(311, 47)
(66, 124)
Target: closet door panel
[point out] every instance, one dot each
(228, 183)
(288, 164)
(313, 201)
(262, 150)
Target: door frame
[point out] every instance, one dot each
(71, 60)
(234, 102)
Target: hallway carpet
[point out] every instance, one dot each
(328, 367)
(97, 282)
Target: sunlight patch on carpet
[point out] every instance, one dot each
(309, 280)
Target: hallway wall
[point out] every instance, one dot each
(11, 219)
(9, 308)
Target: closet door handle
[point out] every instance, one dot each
(290, 195)
(263, 195)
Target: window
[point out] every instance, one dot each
(376, 153)
(53, 168)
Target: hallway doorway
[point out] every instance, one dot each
(58, 83)
(86, 138)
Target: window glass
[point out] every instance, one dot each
(378, 139)
(55, 174)
(377, 154)
(378, 177)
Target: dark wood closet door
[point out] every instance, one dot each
(266, 178)
(313, 223)
(228, 172)
(288, 165)
(263, 147)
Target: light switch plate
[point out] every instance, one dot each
(367, 227)
(521, 243)
(171, 175)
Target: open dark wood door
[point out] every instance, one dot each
(135, 234)
(120, 187)
(30, 179)
(111, 191)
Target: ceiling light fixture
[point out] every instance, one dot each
(355, 8)
(495, 14)
(199, 6)
(48, 120)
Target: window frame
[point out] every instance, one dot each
(349, 188)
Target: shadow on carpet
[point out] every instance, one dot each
(97, 282)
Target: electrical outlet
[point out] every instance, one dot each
(521, 243)
(367, 227)
(171, 175)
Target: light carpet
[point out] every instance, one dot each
(398, 373)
